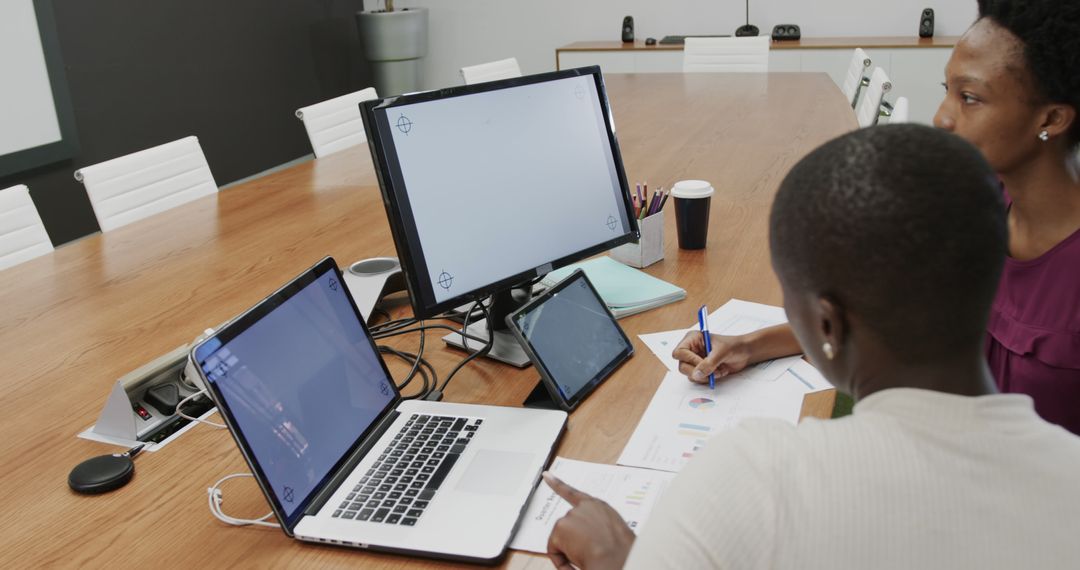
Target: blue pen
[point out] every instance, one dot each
(703, 322)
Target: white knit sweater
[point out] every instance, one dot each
(913, 479)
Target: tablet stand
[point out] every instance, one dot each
(540, 398)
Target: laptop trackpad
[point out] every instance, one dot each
(495, 472)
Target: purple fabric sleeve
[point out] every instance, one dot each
(1033, 345)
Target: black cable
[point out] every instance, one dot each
(471, 357)
(419, 364)
(419, 357)
(393, 325)
(428, 386)
(423, 372)
(381, 312)
(415, 359)
(465, 328)
(456, 330)
(408, 357)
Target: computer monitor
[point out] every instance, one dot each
(491, 185)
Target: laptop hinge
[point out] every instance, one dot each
(347, 468)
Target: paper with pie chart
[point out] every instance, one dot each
(631, 492)
(682, 416)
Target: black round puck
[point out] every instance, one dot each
(101, 474)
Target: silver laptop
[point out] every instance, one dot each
(341, 457)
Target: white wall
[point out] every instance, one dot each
(466, 32)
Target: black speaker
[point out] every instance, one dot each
(628, 29)
(786, 32)
(926, 23)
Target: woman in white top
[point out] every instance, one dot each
(888, 243)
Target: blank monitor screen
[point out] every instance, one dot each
(493, 184)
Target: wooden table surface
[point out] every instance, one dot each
(75, 320)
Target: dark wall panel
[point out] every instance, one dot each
(230, 72)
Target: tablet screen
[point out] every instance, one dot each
(573, 339)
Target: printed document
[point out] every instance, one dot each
(631, 492)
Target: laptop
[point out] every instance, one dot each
(341, 457)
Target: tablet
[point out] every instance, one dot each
(572, 339)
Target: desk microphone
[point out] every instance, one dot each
(747, 29)
(104, 473)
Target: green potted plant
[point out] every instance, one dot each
(395, 43)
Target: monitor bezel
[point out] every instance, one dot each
(395, 200)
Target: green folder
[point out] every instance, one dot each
(625, 290)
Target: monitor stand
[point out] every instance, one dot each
(540, 398)
(505, 347)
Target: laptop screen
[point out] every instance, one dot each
(301, 382)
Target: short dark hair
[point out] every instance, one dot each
(1050, 33)
(903, 225)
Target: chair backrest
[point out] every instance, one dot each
(899, 111)
(856, 71)
(493, 71)
(22, 235)
(726, 55)
(335, 124)
(144, 183)
(870, 101)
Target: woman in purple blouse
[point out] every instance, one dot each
(1013, 90)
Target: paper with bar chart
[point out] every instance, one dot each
(682, 415)
(631, 492)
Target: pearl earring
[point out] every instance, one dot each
(1044, 136)
(828, 350)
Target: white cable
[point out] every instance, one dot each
(214, 497)
(194, 419)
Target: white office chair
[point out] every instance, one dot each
(22, 235)
(856, 79)
(899, 112)
(726, 55)
(869, 107)
(493, 71)
(335, 124)
(132, 187)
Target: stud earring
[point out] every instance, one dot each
(1044, 136)
(828, 350)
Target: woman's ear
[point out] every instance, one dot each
(1058, 118)
(832, 326)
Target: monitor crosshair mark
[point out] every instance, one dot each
(404, 124)
(612, 223)
(446, 280)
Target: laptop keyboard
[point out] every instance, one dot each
(404, 479)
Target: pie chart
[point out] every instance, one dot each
(702, 403)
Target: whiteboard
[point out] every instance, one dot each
(31, 120)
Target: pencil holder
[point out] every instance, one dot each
(649, 249)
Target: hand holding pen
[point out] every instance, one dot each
(726, 355)
(703, 322)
